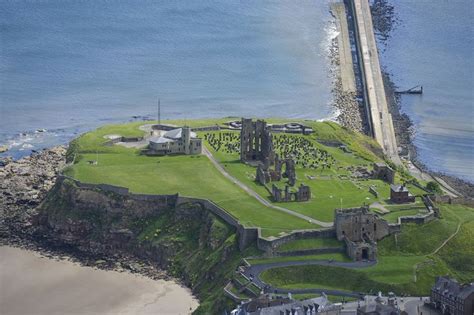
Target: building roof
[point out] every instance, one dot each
(377, 308)
(177, 134)
(399, 188)
(267, 306)
(159, 140)
(450, 287)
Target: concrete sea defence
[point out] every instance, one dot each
(381, 124)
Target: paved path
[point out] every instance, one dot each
(253, 272)
(257, 196)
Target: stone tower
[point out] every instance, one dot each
(256, 143)
(186, 137)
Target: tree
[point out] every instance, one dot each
(434, 187)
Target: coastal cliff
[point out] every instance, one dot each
(187, 241)
(43, 211)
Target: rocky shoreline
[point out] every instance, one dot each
(385, 20)
(23, 186)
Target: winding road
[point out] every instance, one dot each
(259, 198)
(253, 272)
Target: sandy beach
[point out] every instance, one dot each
(31, 284)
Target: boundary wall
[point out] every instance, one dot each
(251, 235)
(246, 235)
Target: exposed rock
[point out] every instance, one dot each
(23, 186)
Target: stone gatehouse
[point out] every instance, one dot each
(361, 229)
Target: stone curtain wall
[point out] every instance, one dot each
(250, 235)
(269, 245)
(455, 201)
(315, 251)
(122, 191)
(247, 235)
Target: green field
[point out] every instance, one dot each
(331, 187)
(406, 263)
(330, 256)
(190, 176)
(311, 243)
(195, 176)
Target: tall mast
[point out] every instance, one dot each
(159, 112)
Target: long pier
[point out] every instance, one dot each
(381, 124)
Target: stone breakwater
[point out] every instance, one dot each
(351, 114)
(351, 111)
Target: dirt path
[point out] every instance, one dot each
(259, 198)
(458, 228)
(447, 240)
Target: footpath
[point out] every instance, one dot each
(259, 198)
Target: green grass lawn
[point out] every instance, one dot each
(329, 192)
(392, 217)
(196, 176)
(401, 260)
(309, 244)
(333, 256)
(190, 176)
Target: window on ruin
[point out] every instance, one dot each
(375, 227)
(367, 221)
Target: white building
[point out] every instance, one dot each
(176, 141)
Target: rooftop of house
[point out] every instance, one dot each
(274, 306)
(378, 308)
(399, 188)
(450, 287)
(171, 136)
(177, 134)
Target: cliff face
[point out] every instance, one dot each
(187, 241)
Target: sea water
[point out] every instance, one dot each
(433, 46)
(69, 66)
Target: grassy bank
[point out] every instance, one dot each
(407, 264)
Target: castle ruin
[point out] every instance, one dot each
(256, 144)
(286, 195)
(266, 174)
(383, 172)
(360, 229)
